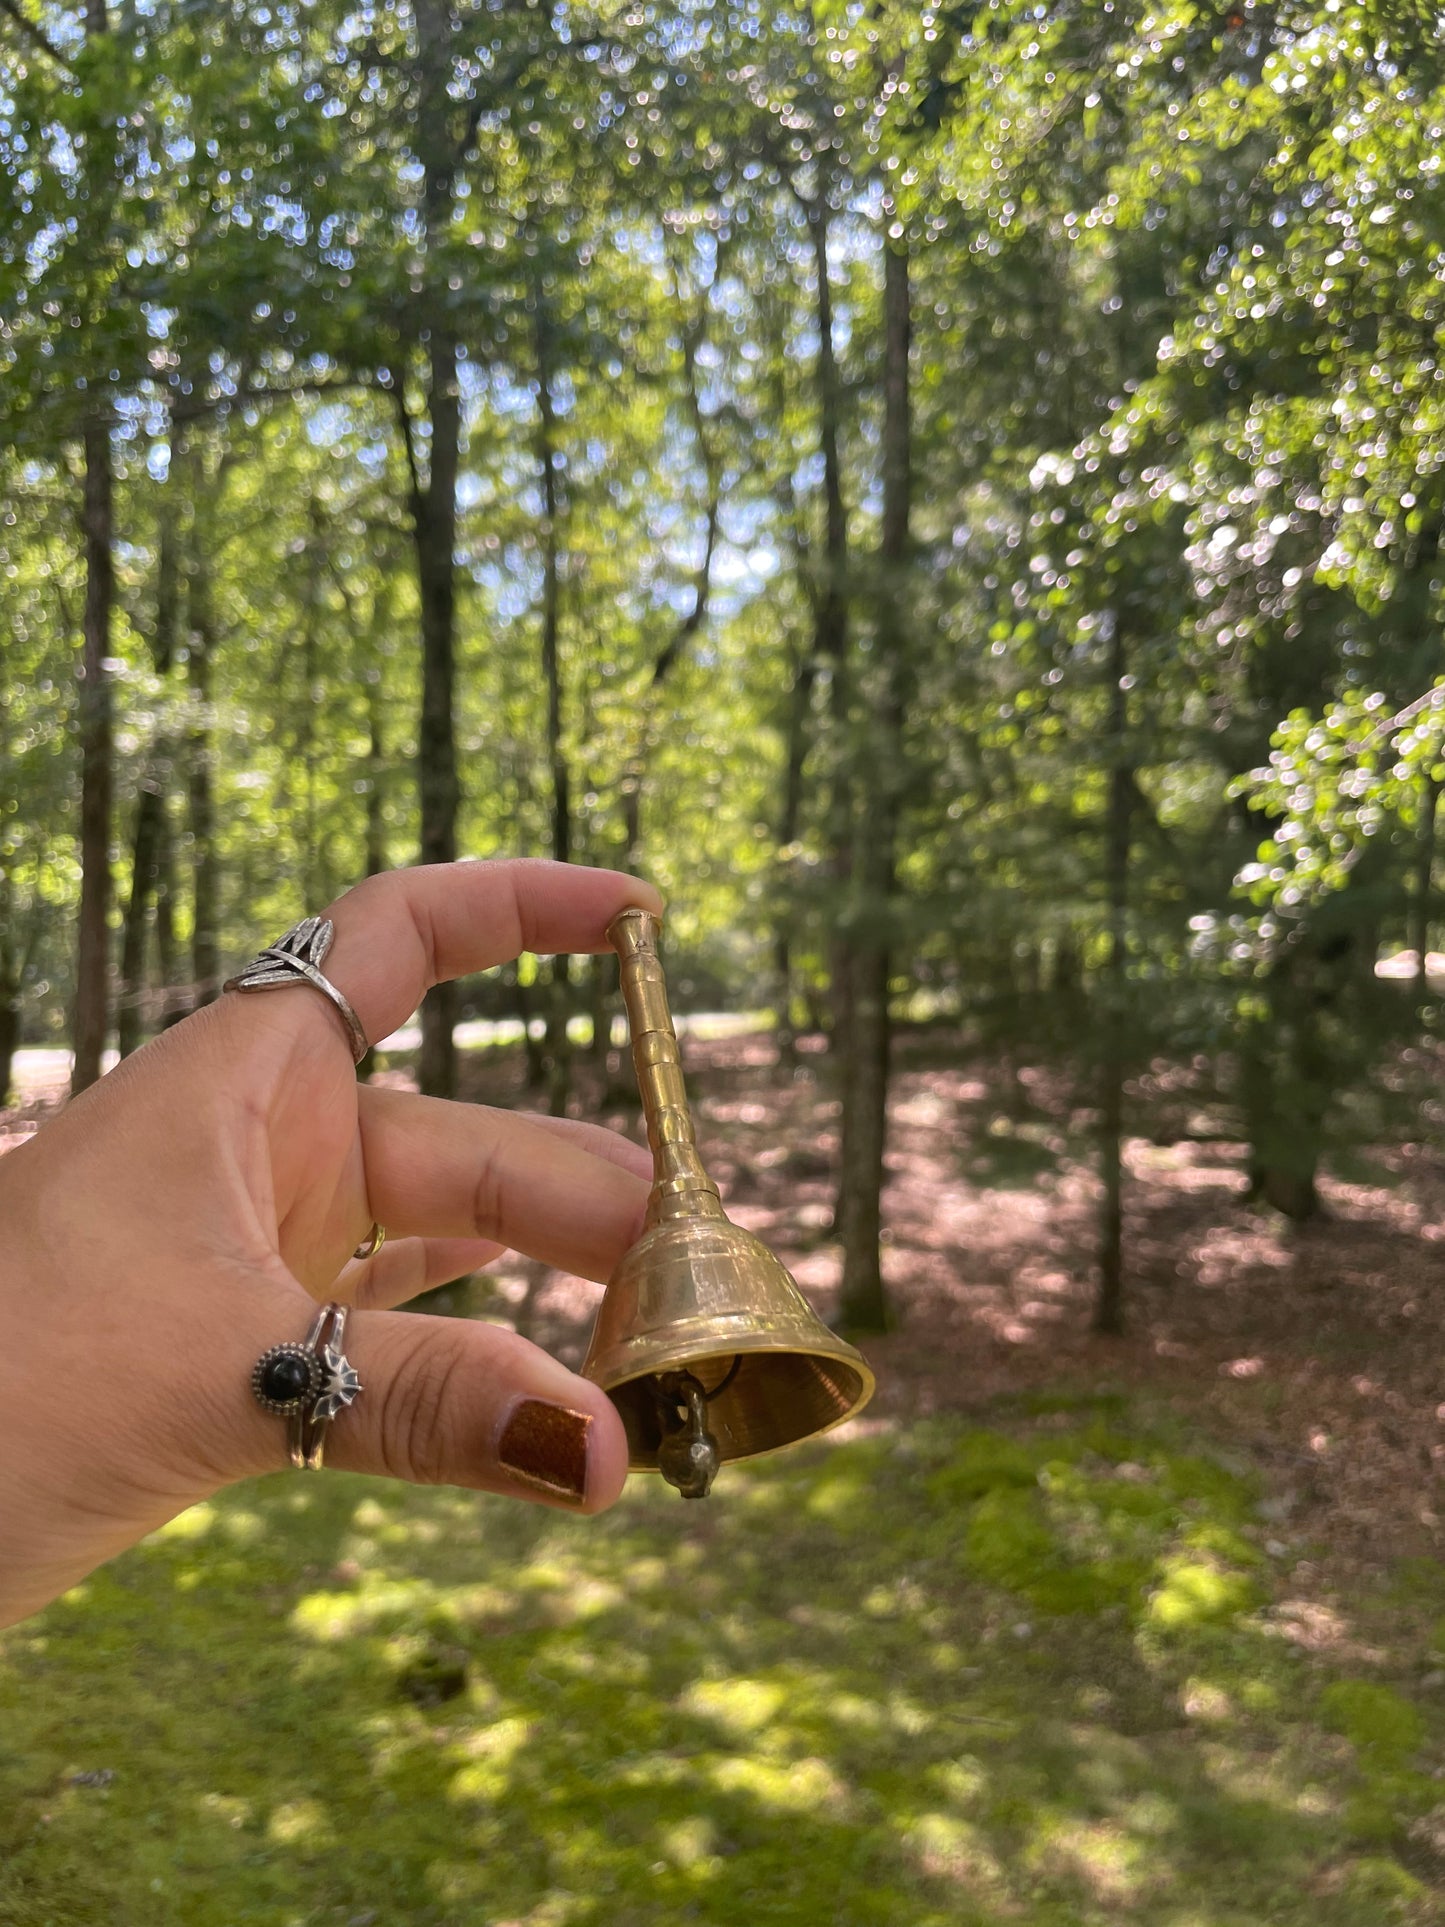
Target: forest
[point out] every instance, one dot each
(954, 494)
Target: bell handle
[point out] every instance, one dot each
(681, 1187)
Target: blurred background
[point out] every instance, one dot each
(954, 494)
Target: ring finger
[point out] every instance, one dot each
(405, 1267)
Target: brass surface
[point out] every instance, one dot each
(697, 1293)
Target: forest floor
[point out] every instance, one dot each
(1063, 1631)
(1319, 1349)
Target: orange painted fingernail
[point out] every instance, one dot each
(546, 1446)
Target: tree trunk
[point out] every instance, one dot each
(1288, 1083)
(171, 1002)
(831, 612)
(150, 850)
(1109, 1305)
(200, 780)
(170, 967)
(1421, 900)
(9, 1036)
(1283, 1119)
(600, 990)
(531, 1046)
(312, 888)
(434, 515)
(375, 837)
(558, 1046)
(790, 819)
(435, 527)
(130, 1015)
(10, 977)
(92, 961)
(634, 776)
(866, 1047)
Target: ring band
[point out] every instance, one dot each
(297, 958)
(308, 1384)
(372, 1243)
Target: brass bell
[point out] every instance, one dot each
(706, 1345)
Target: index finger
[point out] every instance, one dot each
(399, 933)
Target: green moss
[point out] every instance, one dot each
(1381, 1882)
(918, 1681)
(1194, 1592)
(981, 1462)
(1382, 1726)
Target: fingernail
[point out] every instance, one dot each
(546, 1446)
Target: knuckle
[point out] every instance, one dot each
(418, 1411)
(488, 1188)
(390, 899)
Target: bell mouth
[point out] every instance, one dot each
(770, 1399)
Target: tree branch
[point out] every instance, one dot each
(1432, 699)
(403, 415)
(35, 34)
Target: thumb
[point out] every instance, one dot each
(448, 1402)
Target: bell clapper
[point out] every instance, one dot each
(688, 1457)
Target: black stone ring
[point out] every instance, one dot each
(308, 1384)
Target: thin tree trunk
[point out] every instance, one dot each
(434, 520)
(161, 767)
(311, 881)
(436, 742)
(1109, 1305)
(170, 966)
(866, 1049)
(200, 775)
(92, 968)
(634, 777)
(150, 848)
(435, 524)
(558, 1047)
(831, 612)
(600, 990)
(375, 836)
(374, 839)
(10, 977)
(130, 1014)
(9, 1036)
(802, 683)
(790, 819)
(1421, 901)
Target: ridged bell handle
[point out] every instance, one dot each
(681, 1188)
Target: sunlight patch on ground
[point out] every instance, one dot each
(1009, 1676)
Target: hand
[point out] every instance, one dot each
(190, 1210)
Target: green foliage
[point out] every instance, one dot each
(1334, 782)
(1175, 409)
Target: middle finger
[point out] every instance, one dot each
(571, 1195)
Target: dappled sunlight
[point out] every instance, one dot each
(303, 1824)
(192, 1524)
(1097, 1856)
(1029, 1674)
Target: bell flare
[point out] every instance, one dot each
(706, 1297)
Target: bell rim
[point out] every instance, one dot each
(841, 1354)
(752, 1344)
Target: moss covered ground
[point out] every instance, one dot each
(1042, 1673)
